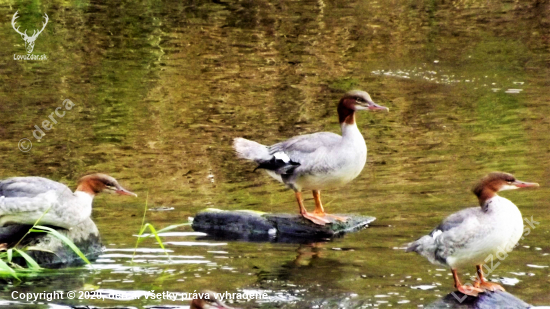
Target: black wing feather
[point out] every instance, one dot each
(278, 166)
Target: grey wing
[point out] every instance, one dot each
(24, 205)
(300, 147)
(30, 187)
(298, 153)
(451, 234)
(455, 219)
(456, 231)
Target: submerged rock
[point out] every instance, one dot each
(50, 251)
(487, 300)
(258, 226)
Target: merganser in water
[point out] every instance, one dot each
(316, 161)
(473, 235)
(208, 300)
(24, 199)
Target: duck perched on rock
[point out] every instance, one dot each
(316, 161)
(473, 235)
(23, 200)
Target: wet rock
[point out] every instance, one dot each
(487, 300)
(258, 226)
(50, 251)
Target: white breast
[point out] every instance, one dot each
(492, 235)
(340, 165)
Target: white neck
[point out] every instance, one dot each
(84, 197)
(350, 131)
(498, 202)
(85, 208)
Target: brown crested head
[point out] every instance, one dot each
(97, 183)
(353, 101)
(207, 300)
(494, 182)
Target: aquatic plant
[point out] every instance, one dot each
(154, 232)
(9, 268)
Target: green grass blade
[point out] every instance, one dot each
(144, 226)
(168, 228)
(154, 232)
(63, 238)
(6, 269)
(10, 254)
(30, 261)
(142, 229)
(35, 223)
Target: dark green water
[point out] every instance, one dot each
(161, 89)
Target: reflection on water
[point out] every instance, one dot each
(160, 90)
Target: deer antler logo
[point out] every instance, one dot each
(29, 40)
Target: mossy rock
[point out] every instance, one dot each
(50, 251)
(259, 226)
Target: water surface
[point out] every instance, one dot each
(161, 89)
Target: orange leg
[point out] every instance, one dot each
(465, 289)
(311, 217)
(483, 283)
(320, 211)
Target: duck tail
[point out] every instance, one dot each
(250, 150)
(427, 247)
(421, 245)
(412, 247)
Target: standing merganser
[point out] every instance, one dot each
(24, 200)
(475, 235)
(316, 161)
(208, 300)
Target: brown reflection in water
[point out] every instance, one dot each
(162, 88)
(310, 265)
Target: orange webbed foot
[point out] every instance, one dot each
(324, 214)
(469, 290)
(315, 218)
(481, 282)
(488, 286)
